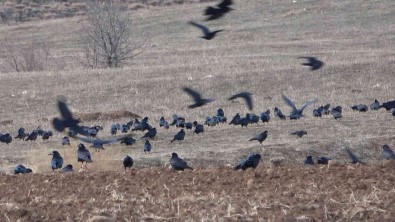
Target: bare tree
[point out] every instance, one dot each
(34, 56)
(107, 38)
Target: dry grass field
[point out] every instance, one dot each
(257, 52)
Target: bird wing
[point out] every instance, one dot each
(352, 156)
(246, 96)
(196, 96)
(204, 29)
(225, 3)
(307, 104)
(210, 11)
(289, 103)
(64, 110)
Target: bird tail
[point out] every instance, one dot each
(188, 167)
(172, 140)
(251, 139)
(238, 167)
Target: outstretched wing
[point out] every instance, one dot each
(289, 103)
(246, 96)
(195, 95)
(204, 29)
(225, 3)
(308, 103)
(64, 110)
(352, 156)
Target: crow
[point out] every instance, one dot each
(247, 96)
(235, 120)
(147, 146)
(265, 116)
(252, 161)
(150, 134)
(296, 113)
(260, 137)
(6, 138)
(309, 160)
(199, 101)
(360, 108)
(68, 169)
(299, 133)
(163, 123)
(21, 133)
(128, 141)
(178, 164)
(20, 169)
(312, 62)
(207, 34)
(46, 135)
(128, 162)
(375, 105)
(98, 143)
(388, 105)
(323, 160)
(199, 128)
(337, 112)
(65, 141)
(278, 113)
(388, 153)
(57, 160)
(179, 136)
(32, 136)
(219, 11)
(83, 155)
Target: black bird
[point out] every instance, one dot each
(252, 161)
(114, 129)
(326, 110)
(388, 105)
(65, 141)
(360, 108)
(125, 128)
(265, 116)
(243, 122)
(296, 113)
(278, 113)
(67, 120)
(337, 112)
(68, 169)
(375, 105)
(220, 112)
(46, 135)
(247, 96)
(179, 136)
(83, 155)
(260, 137)
(199, 128)
(323, 160)
(254, 118)
(235, 120)
(299, 133)
(21, 133)
(57, 160)
(207, 34)
(210, 121)
(128, 141)
(98, 143)
(141, 126)
(147, 146)
(312, 62)
(40, 131)
(353, 157)
(221, 9)
(178, 164)
(32, 136)
(188, 125)
(318, 112)
(163, 123)
(128, 162)
(388, 153)
(309, 160)
(6, 138)
(20, 169)
(150, 134)
(199, 101)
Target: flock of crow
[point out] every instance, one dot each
(89, 134)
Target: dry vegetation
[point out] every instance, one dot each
(257, 52)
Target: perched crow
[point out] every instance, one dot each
(32, 136)
(199, 128)
(260, 137)
(360, 108)
(147, 146)
(313, 63)
(243, 122)
(337, 112)
(179, 136)
(197, 98)
(252, 161)
(21, 133)
(57, 160)
(388, 153)
(318, 112)
(46, 135)
(128, 162)
(278, 113)
(326, 110)
(150, 134)
(83, 155)
(309, 160)
(68, 169)
(178, 164)
(299, 133)
(163, 123)
(20, 169)
(388, 105)
(323, 160)
(65, 141)
(235, 120)
(6, 138)
(247, 96)
(128, 141)
(265, 116)
(375, 105)
(254, 118)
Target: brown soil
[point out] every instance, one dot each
(286, 193)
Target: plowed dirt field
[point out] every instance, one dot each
(284, 193)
